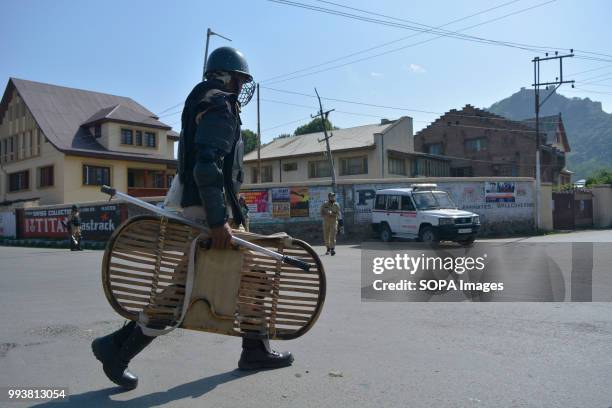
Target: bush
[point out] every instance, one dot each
(602, 176)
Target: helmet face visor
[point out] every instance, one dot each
(247, 91)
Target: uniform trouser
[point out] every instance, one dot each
(330, 229)
(75, 237)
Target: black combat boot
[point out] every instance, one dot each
(333, 251)
(117, 349)
(257, 355)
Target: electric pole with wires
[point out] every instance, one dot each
(537, 84)
(324, 116)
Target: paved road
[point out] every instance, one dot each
(389, 354)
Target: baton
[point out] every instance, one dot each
(289, 260)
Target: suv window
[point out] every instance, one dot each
(393, 202)
(380, 202)
(407, 204)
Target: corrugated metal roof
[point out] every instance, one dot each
(61, 111)
(349, 138)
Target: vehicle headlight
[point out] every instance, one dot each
(476, 220)
(446, 221)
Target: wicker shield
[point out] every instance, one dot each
(145, 278)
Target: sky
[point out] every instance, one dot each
(153, 51)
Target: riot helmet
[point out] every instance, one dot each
(230, 60)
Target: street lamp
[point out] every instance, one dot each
(209, 32)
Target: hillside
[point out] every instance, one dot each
(588, 127)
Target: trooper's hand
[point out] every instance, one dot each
(221, 237)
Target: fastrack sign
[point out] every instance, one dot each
(97, 222)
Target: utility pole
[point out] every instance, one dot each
(537, 84)
(258, 140)
(324, 116)
(209, 33)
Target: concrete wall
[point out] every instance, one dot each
(602, 206)
(515, 216)
(546, 207)
(398, 137)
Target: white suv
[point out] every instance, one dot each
(422, 212)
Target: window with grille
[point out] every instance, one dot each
(266, 174)
(354, 165)
(150, 139)
(19, 181)
(397, 166)
(45, 176)
(290, 166)
(96, 175)
(434, 148)
(461, 172)
(158, 180)
(127, 136)
(476, 145)
(139, 138)
(318, 169)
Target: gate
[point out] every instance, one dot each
(572, 209)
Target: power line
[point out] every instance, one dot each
(171, 107)
(594, 84)
(452, 34)
(393, 107)
(386, 43)
(521, 46)
(591, 70)
(399, 19)
(597, 76)
(286, 123)
(589, 91)
(170, 114)
(443, 33)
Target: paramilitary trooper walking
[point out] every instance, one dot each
(210, 168)
(330, 211)
(74, 226)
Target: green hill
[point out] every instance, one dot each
(588, 127)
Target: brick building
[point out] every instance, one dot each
(482, 144)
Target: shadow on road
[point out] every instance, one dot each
(194, 389)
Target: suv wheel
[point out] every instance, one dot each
(429, 236)
(385, 233)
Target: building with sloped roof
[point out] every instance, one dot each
(59, 144)
(375, 151)
(482, 144)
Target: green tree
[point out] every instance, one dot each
(314, 126)
(250, 140)
(602, 176)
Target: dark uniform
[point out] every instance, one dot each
(74, 226)
(210, 168)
